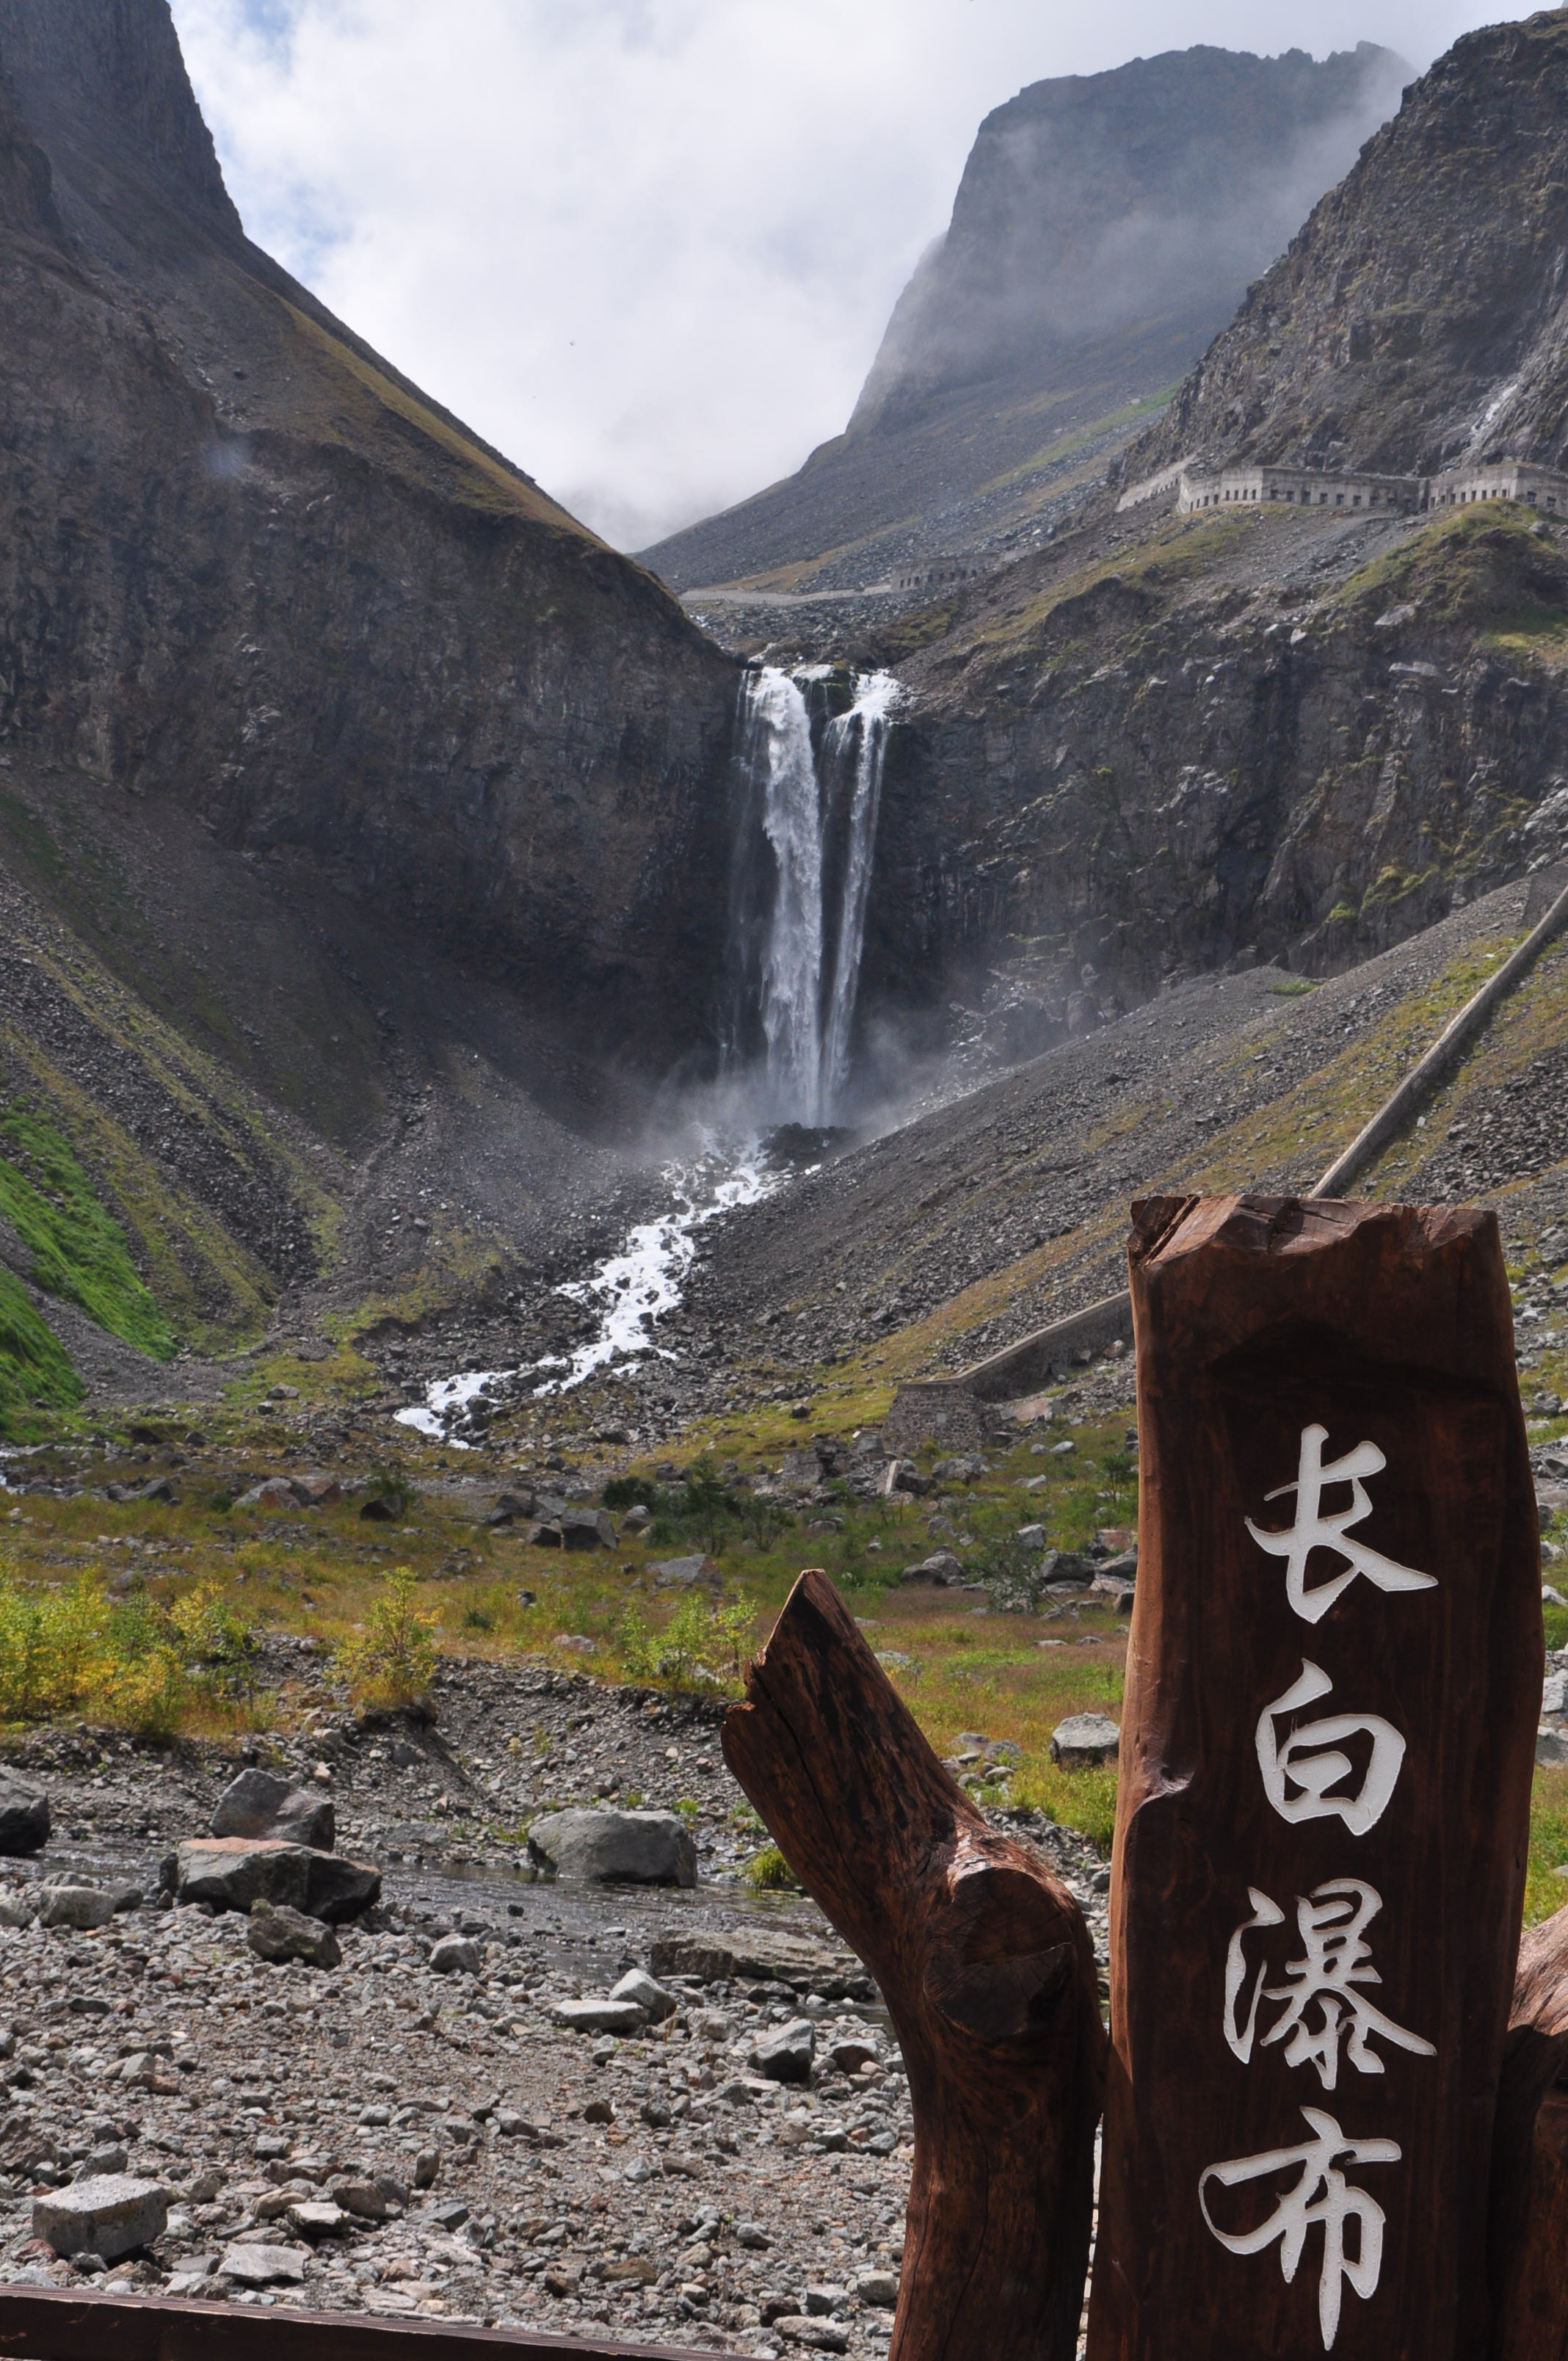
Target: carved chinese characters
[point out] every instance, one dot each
(1310, 1775)
(1327, 1744)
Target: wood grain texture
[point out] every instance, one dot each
(1255, 1320)
(1530, 2157)
(986, 1966)
(59, 2324)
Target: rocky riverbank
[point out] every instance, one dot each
(416, 2131)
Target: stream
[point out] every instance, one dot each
(630, 1290)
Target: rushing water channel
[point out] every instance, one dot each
(630, 1289)
(811, 749)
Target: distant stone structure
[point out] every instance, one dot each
(1299, 488)
(1188, 489)
(936, 572)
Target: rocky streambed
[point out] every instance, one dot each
(455, 2120)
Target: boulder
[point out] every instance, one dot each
(638, 1987)
(586, 1528)
(275, 1492)
(235, 1873)
(378, 1510)
(786, 2055)
(279, 1934)
(850, 2054)
(816, 2335)
(600, 2015)
(81, 1906)
(108, 2215)
(24, 1816)
(680, 1572)
(1084, 1741)
(1551, 1748)
(256, 2265)
(317, 2217)
(259, 1804)
(614, 1848)
(454, 1955)
(942, 1567)
(766, 1954)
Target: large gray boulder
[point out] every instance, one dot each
(278, 1934)
(81, 1906)
(786, 2056)
(1085, 1741)
(614, 1848)
(109, 2215)
(259, 1804)
(235, 1873)
(24, 1816)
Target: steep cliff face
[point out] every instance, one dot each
(1421, 313)
(1105, 229)
(247, 568)
(1240, 738)
(1102, 202)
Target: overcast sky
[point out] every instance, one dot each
(648, 247)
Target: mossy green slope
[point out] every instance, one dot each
(78, 1251)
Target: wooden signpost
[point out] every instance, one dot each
(1327, 1748)
(988, 1971)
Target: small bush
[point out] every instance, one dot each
(475, 1619)
(701, 1647)
(767, 1871)
(623, 1493)
(391, 1661)
(136, 1665)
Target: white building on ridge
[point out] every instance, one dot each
(1189, 488)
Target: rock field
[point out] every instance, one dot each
(413, 2132)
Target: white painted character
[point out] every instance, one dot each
(1320, 2196)
(1314, 1529)
(1312, 1759)
(1324, 2002)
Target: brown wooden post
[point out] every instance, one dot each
(986, 1966)
(1529, 2158)
(1327, 1745)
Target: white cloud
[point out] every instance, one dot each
(648, 247)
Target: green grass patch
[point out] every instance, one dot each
(1545, 1891)
(79, 1250)
(35, 1371)
(1485, 568)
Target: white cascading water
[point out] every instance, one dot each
(777, 750)
(818, 814)
(877, 699)
(808, 1014)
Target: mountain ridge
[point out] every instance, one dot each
(1103, 228)
(1421, 313)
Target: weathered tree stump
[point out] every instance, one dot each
(1529, 2158)
(987, 1969)
(1327, 1748)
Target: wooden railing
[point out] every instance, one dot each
(62, 2324)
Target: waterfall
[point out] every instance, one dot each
(812, 748)
(860, 737)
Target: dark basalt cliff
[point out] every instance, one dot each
(1106, 228)
(248, 569)
(1244, 739)
(1421, 315)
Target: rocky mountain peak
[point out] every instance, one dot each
(1093, 202)
(105, 81)
(1420, 316)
